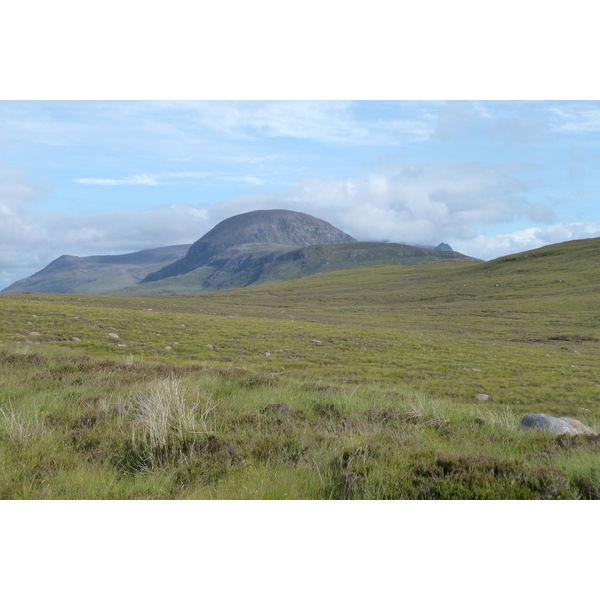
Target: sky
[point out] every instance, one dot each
(490, 178)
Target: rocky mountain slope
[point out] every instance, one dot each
(248, 249)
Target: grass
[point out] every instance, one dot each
(199, 432)
(350, 385)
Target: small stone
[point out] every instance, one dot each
(267, 354)
(168, 348)
(75, 339)
(210, 346)
(481, 397)
(33, 333)
(113, 335)
(122, 345)
(316, 341)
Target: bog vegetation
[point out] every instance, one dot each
(380, 383)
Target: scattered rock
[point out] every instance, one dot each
(122, 345)
(316, 341)
(33, 333)
(113, 335)
(168, 348)
(553, 424)
(482, 397)
(75, 339)
(210, 346)
(267, 354)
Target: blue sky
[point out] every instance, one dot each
(106, 177)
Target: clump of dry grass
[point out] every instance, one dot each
(163, 411)
(503, 418)
(17, 427)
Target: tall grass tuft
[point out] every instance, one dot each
(17, 427)
(163, 413)
(426, 410)
(503, 418)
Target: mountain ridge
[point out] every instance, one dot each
(243, 250)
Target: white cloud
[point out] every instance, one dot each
(133, 180)
(576, 118)
(190, 174)
(331, 122)
(411, 203)
(488, 247)
(246, 179)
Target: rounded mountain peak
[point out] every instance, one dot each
(269, 230)
(275, 227)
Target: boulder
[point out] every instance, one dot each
(578, 425)
(553, 424)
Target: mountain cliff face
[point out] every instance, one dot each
(258, 232)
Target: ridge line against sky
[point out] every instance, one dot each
(488, 177)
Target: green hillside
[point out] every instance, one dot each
(380, 382)
(255, 264)
(96, 274)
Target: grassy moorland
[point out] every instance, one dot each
(353, 384)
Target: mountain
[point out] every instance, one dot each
(258, 233)
(253, 248)
(247, 268)
(96, 274)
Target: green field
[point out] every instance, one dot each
(352, 384)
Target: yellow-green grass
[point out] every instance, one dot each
(78, 427)
(377, 368)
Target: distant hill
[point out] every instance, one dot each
(258, 233)
(247, 268)
(96, 274)
(253, 248)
